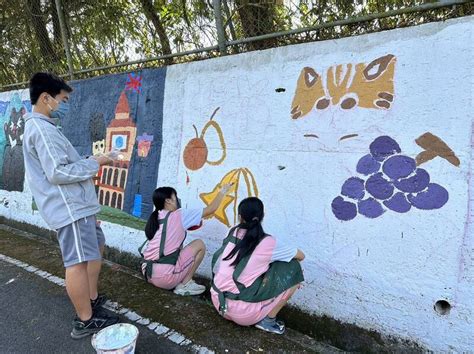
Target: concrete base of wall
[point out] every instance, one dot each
(345, 336)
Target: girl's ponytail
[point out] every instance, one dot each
(152, 225)
(251, 212)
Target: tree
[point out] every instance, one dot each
(257, 18)
(40, 31)
(152, 16)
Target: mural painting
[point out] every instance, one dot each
(390, 181)
(411, 192)
(13, 170)
(97, 134)
(195, 154)
(434, 147)
(124, 114)
(362, 85)
(134, 82)
(144, 143)
(120, 136)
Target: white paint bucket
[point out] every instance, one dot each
(119, 338)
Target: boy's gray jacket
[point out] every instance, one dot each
(59, 179)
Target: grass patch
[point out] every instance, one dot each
(120, 217)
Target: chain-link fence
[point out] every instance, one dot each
(81, 38)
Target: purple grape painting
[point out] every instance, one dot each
(399, 166)
(353, 188)
(379, 187)
(398, 203)
(389, 181)
(368, 165)
(370, 208)
(415, 183)
(434, 197)
(383, 147)
(343, 210)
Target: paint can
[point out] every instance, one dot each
(119, 338)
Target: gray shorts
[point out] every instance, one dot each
(81, 241)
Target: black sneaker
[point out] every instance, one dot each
(99, 301)
(103, 313)
(83, 329)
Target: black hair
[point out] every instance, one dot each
(251, 212)
(46, 82)
(159, 197)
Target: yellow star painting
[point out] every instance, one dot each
(238, 176)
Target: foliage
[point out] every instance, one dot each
(107, 32)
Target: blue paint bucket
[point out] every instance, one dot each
(120, 338)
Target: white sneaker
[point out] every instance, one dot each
(190, 288)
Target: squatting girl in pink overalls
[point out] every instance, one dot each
(166, 263)
(254, 273)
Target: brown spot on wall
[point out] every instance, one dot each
(425, 156)
(435, 146)
(386, 96)
(323, 103)
(348, 103)
(382, 104)
(296, 115)
(348, 136)
(382, 64)
(311, 136)
(310, 76)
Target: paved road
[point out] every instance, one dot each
(36, 317)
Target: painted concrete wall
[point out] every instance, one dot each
(361, 150)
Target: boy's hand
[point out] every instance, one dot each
(102, 159)
(115, 155)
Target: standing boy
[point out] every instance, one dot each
(61, 184)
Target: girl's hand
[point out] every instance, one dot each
(211, 208)
(225, 188)
(300, 256)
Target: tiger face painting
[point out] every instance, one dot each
(346, 85)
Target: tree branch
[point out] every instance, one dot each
(152, 16)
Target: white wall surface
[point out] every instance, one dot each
(383, 273)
